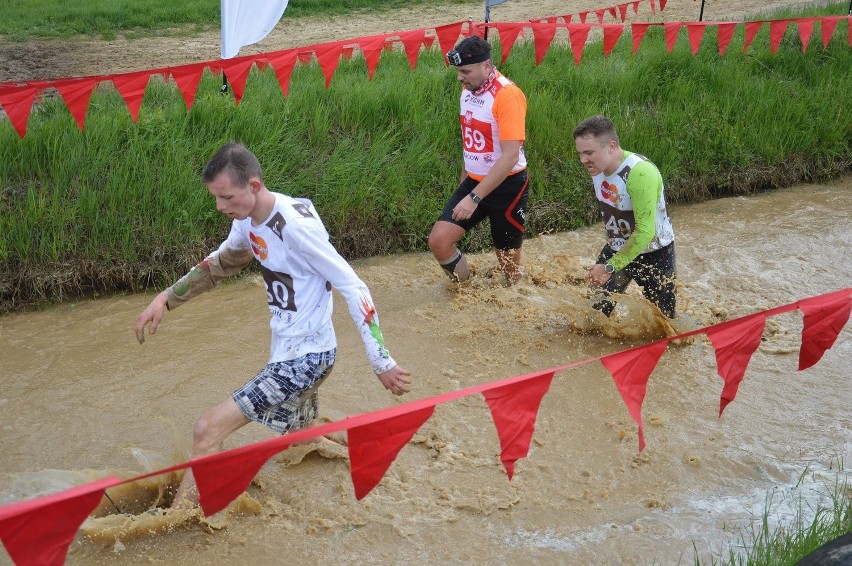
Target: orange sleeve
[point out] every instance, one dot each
(510, 111)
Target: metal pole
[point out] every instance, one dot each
(701, 15)
(224, 88)
(488, 17)
(850, 7)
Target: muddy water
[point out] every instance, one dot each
(81, 399)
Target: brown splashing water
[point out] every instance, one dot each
(81, 399)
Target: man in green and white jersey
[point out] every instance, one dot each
(639, 235)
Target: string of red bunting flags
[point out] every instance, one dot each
(16, 98)
(40, 531)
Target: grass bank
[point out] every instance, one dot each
(796, 521)
(60, 19)
(120, 207)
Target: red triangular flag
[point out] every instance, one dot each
(543, 36)
(630, 370)
(636, 7)
(726, 32)
(237, 71)
(612, 13)
(39, 531)
(76, 94)
(447, 36)
(283, 64)
(17, 104)
(612, 32)
(638, 32)
(583, 17)
(222, 477)
(653, 6)
(514, 408)
(600, 15)
(412, 41)
(508, 34)
(777, 29)
(825, 316)
(827, 25)
(373, 447)
(735, 343)
(372, 49)
(751, 29)
(132, 86)
(622, 12)
(662, 5)
(806, 28)
(187, 78)
(328, 55)
(695, 31)
(577, 34)
(672, 30)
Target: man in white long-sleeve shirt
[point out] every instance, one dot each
(299, 267)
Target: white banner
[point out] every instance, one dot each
(248, 21)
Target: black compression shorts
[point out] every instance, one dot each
(505, 207)
(653, 271)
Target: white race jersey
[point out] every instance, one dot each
(299, 267)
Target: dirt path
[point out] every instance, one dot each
(86, 57)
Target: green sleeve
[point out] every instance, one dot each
(644, 185)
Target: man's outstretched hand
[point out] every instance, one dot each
(396, 380)
(153, 313)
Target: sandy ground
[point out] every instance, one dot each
(35, 60)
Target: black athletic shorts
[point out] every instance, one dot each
(505, 207)
(653, 271)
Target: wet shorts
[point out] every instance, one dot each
(653, 271)
(505, 207)
(283, 396)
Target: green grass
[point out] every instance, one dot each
(28, 19)
(62, 19)
(810, 523)
(120, 207)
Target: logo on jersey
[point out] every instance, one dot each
(276, 224)
(258, 246)
(302, 209)
(468, 117)
(609, 192)
(487, 158)
(476, 102)
(369, 312)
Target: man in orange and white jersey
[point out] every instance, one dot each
(494, 182)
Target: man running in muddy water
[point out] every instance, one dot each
(299, 267)
(639, 235)
(494, 178)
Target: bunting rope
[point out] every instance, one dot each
(17, 98)
(40, 530)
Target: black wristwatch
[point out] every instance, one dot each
(609, 268)
(475, 197)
